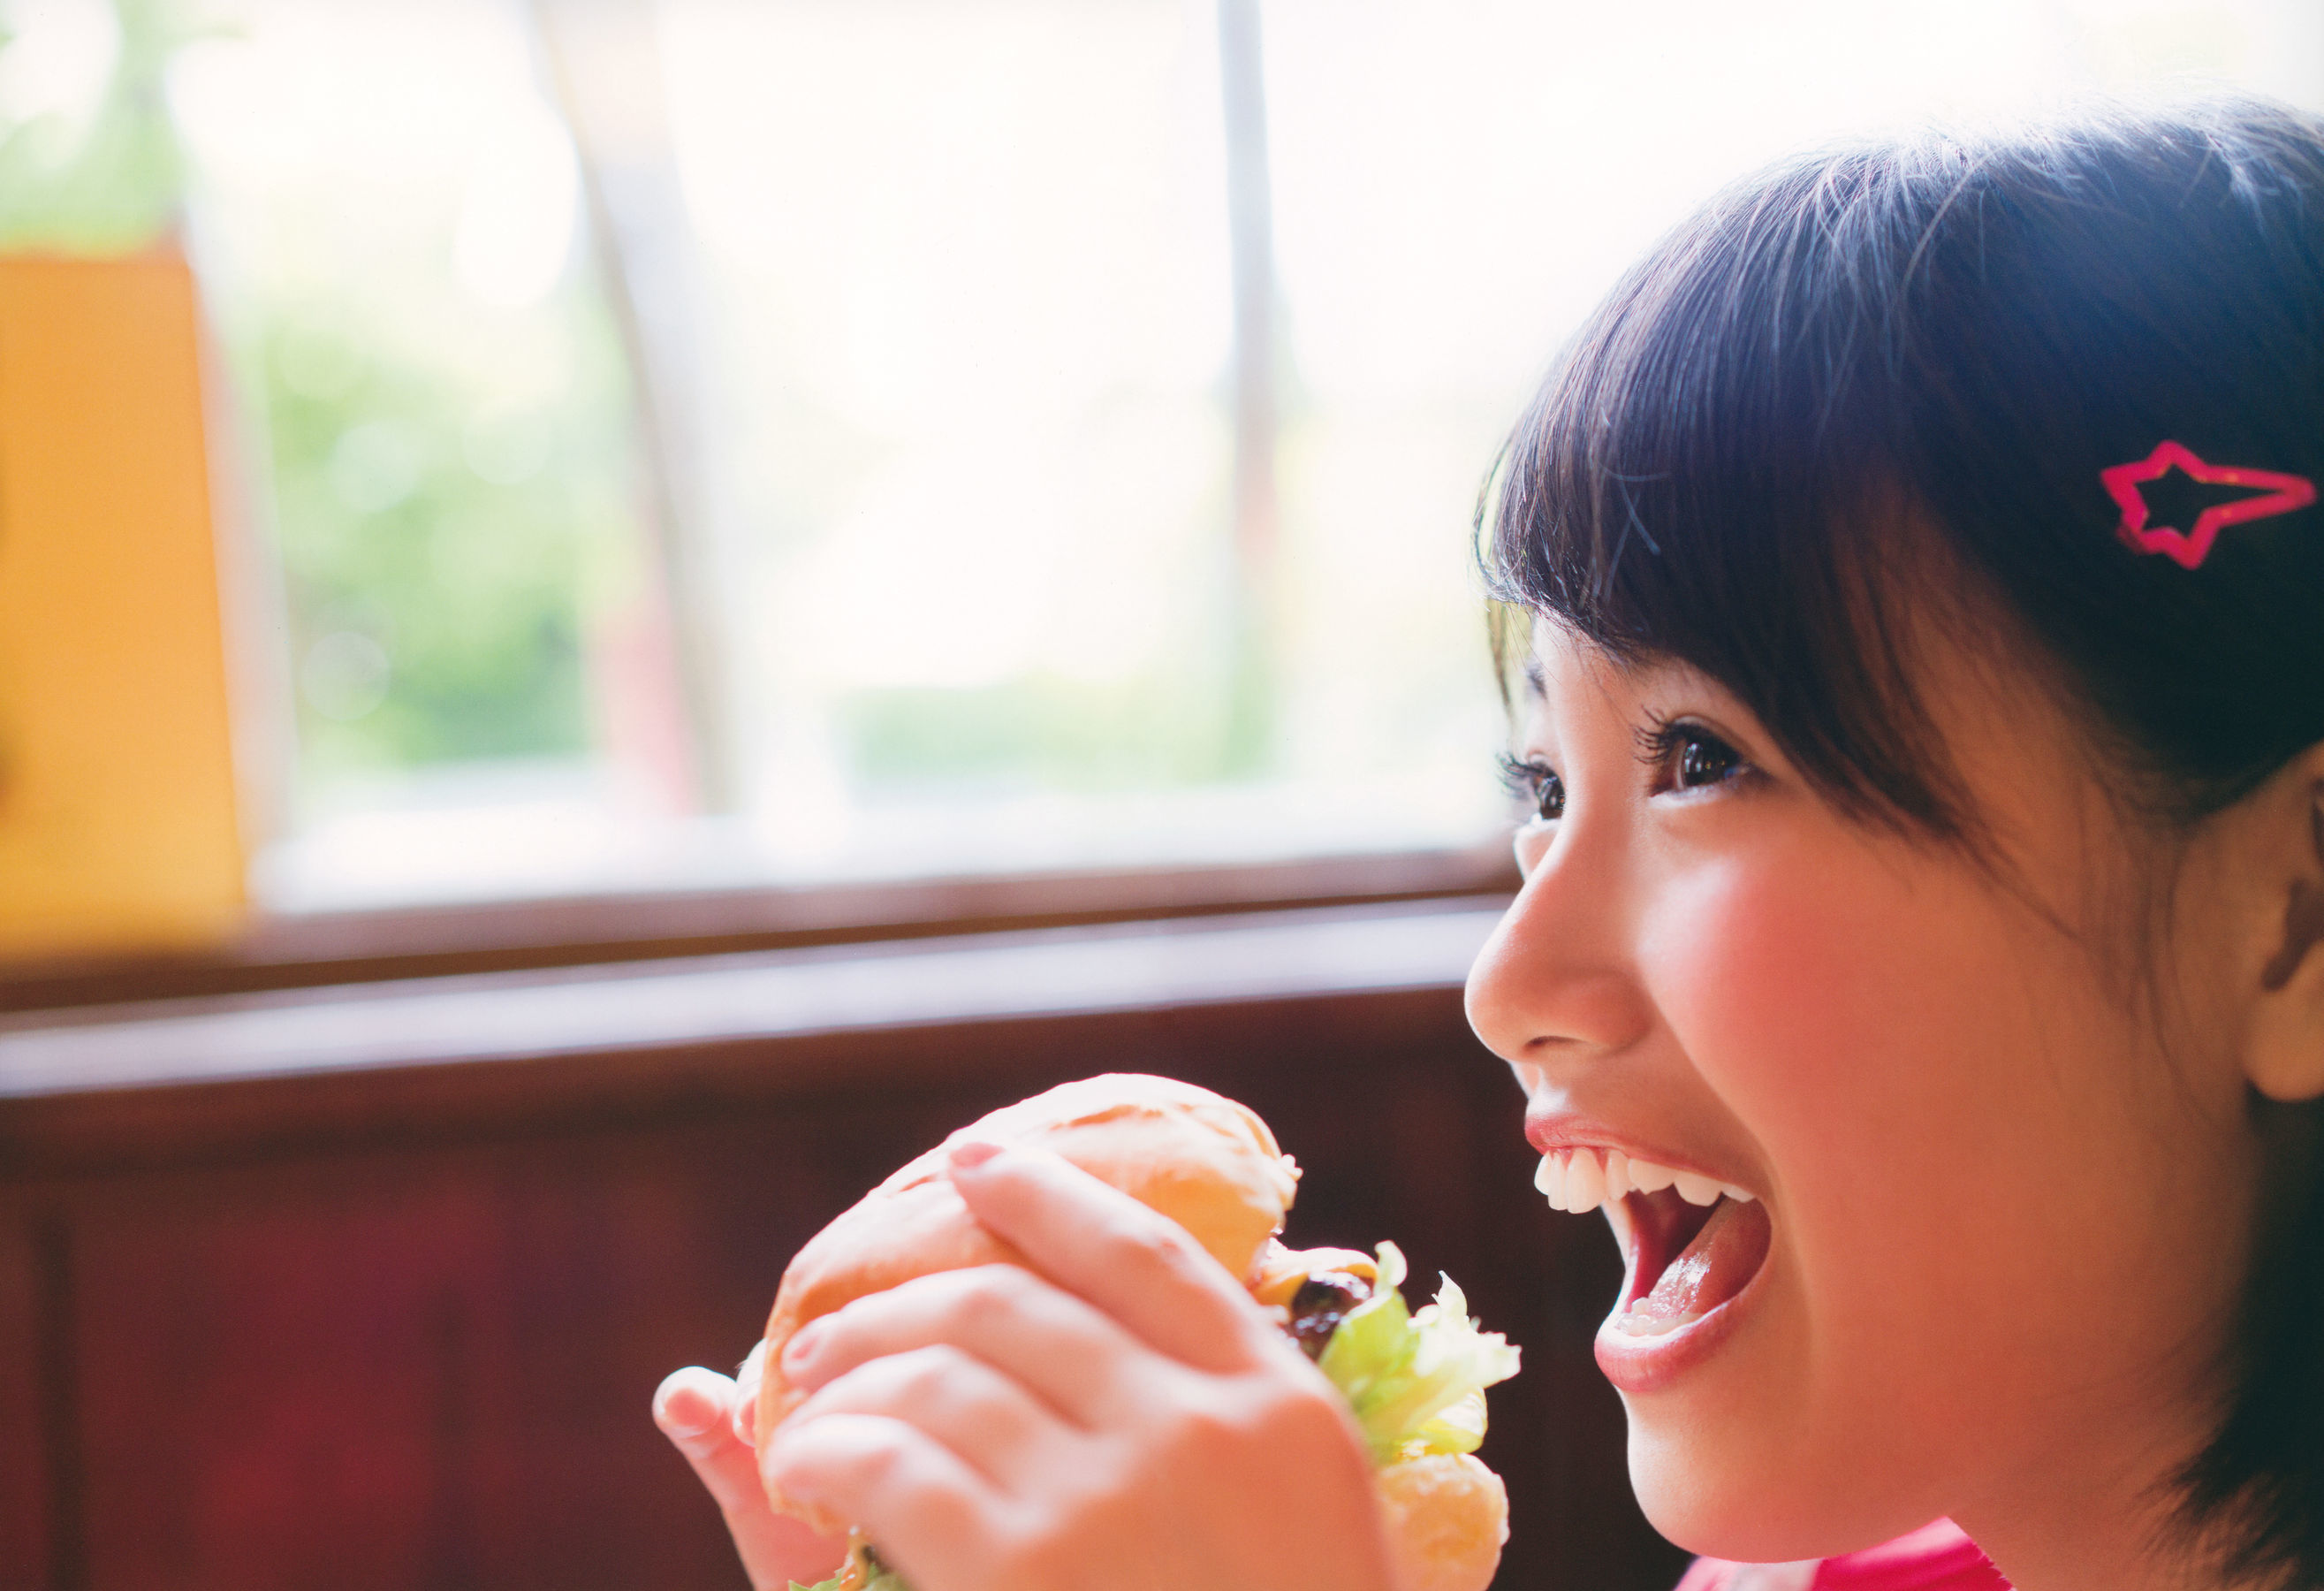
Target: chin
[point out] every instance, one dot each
(1752, 1503)
(1710, 1508)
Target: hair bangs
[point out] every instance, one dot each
(1717, 472)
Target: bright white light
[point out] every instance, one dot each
(1456, 186)
(60, 56)
(974, 273)
(938, 576)
(516, 227)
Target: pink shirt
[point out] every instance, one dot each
(1935, 1557)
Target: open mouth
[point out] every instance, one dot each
(1686, 1260)
(1693, 1242)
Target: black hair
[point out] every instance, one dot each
(1883, 380)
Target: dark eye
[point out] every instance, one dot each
(1688, 756)
(1705, 759)
(1536, 784)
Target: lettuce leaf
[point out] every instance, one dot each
(1416, 1382)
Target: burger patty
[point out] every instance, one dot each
(1321, 1302)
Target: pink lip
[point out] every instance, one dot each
(1550, 1131)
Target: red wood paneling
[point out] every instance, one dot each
(398, 1328)
(27, 1500)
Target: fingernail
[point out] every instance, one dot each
(801, 1347)
(683, 1411)
(974, 1153)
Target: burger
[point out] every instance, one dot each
(1414, 1381)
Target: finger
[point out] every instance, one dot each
(931, 1515)
(1059, 1346)
(746, 1394)
(1134, 1263)
(694, 1408)
(995, 1424)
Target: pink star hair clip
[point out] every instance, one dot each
(2272, 493)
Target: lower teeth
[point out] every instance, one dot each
(1638, 1322)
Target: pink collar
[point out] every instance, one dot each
(1938, 1556)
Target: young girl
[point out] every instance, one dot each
(1923, 725)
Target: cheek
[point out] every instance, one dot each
(1944, 1097)
(1793, 988)
(1877, 1041)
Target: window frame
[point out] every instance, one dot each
(316, 949)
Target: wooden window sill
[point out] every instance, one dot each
(231, 1072)
(323, 949)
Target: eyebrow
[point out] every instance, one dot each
(1536, 681)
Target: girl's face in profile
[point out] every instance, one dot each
(2001, 1175)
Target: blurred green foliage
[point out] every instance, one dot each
(435, 547)
(1041, 731)
(108, 183)
(434, 541)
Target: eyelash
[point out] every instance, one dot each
(1535, 784)
(1662, 747)
(1663, 744)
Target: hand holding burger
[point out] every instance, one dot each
(1062, 1350)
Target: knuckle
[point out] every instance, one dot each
(1311, 1421)
(1273, 1413)
(958, 1384)
(922, 1372)
(991, 1295)
(1155, 1251)
(905, 1486)
(1208, 1423)
(943, 1379)
(1208, 1439)
(830, 1331)
(872, 1459)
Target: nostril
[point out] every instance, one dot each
(1541, 992)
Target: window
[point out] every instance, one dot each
(789, 441)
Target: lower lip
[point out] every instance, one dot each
(1650, 1364)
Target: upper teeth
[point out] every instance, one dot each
(1581, 1179)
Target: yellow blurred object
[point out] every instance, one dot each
(117, 818)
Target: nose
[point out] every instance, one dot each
(1557, 981)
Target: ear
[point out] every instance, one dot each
(2283, 1053)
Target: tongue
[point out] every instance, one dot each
(1724, 1255)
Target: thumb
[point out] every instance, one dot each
(694, 1409)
